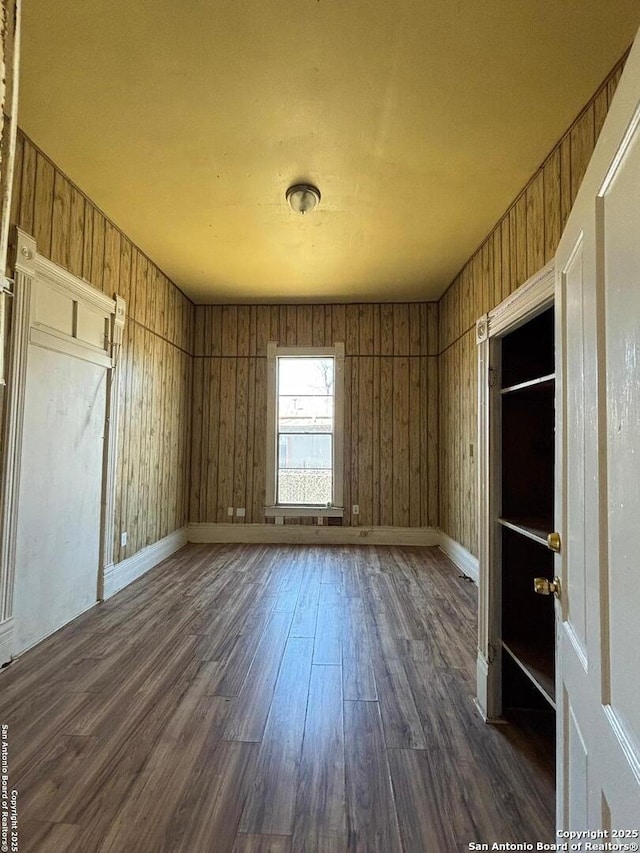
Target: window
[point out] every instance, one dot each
(304, 430)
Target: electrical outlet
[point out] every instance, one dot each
(241, 512)
(230, 511)
(355, 509)
(123, 538)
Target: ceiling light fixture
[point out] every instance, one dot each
(303, 197)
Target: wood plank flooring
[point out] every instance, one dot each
(270, 698)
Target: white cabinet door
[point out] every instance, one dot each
(598, 487)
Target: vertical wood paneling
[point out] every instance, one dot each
(317, 325)
(87, 243)
(425, 468)
(61, 221)
(43, 204)
(111, 268)
(352, 337)
(390, 465)
(304, 336)
(259, 447)
(552, 212)
(375, 435)
(97, 250)
(415, 472)
(338, 323)
(400, 442)
(365, 440)
(123, 440)
(240, 446)
(226, 436)
(386, 441)
(433, 443)
(251, 435)
(211, 429)
(27, 187)
(230, 330)
(496, 273)
(505, 239)
(348, 425)
(135, 410)
(535, 224)
(214, 327)
(566, 199)
(433, 337)
(386, 330)
(582, 140)
(263, 329)
(244, 330)
(522, 241)
(352, 474)
(365, 330)
(76, 227)
(197, 478)
(600, 109)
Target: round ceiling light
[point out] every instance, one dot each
(303, 197)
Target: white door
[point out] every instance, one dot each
(598, 493)
(58, 525)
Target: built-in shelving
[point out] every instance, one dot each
(527, 392)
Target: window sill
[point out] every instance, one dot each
(289, 511)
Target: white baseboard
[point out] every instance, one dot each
(6, 640)
(119, 575)
(463, 559)
(307, 534)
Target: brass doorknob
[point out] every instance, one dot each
(543, 586)
(553, 542)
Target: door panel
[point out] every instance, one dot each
(577, 768)
(598, 491)
(58, 533)
(619, 231)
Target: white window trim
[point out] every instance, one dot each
(272, 509)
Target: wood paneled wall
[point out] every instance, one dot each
(524, 239)
(156, 363)
(391, 407)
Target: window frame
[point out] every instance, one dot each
(272, 508)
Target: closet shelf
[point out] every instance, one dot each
(537, 663)
(533, 528)
(538, 382)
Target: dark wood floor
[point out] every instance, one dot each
(250, 698)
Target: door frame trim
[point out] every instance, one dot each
(32, 268)
(530, 299)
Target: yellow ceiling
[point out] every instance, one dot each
(419, 120)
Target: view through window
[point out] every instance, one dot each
(305, 419)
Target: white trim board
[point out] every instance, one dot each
(458, 554)
(311, 534)
(119, 575)
(6, 640)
